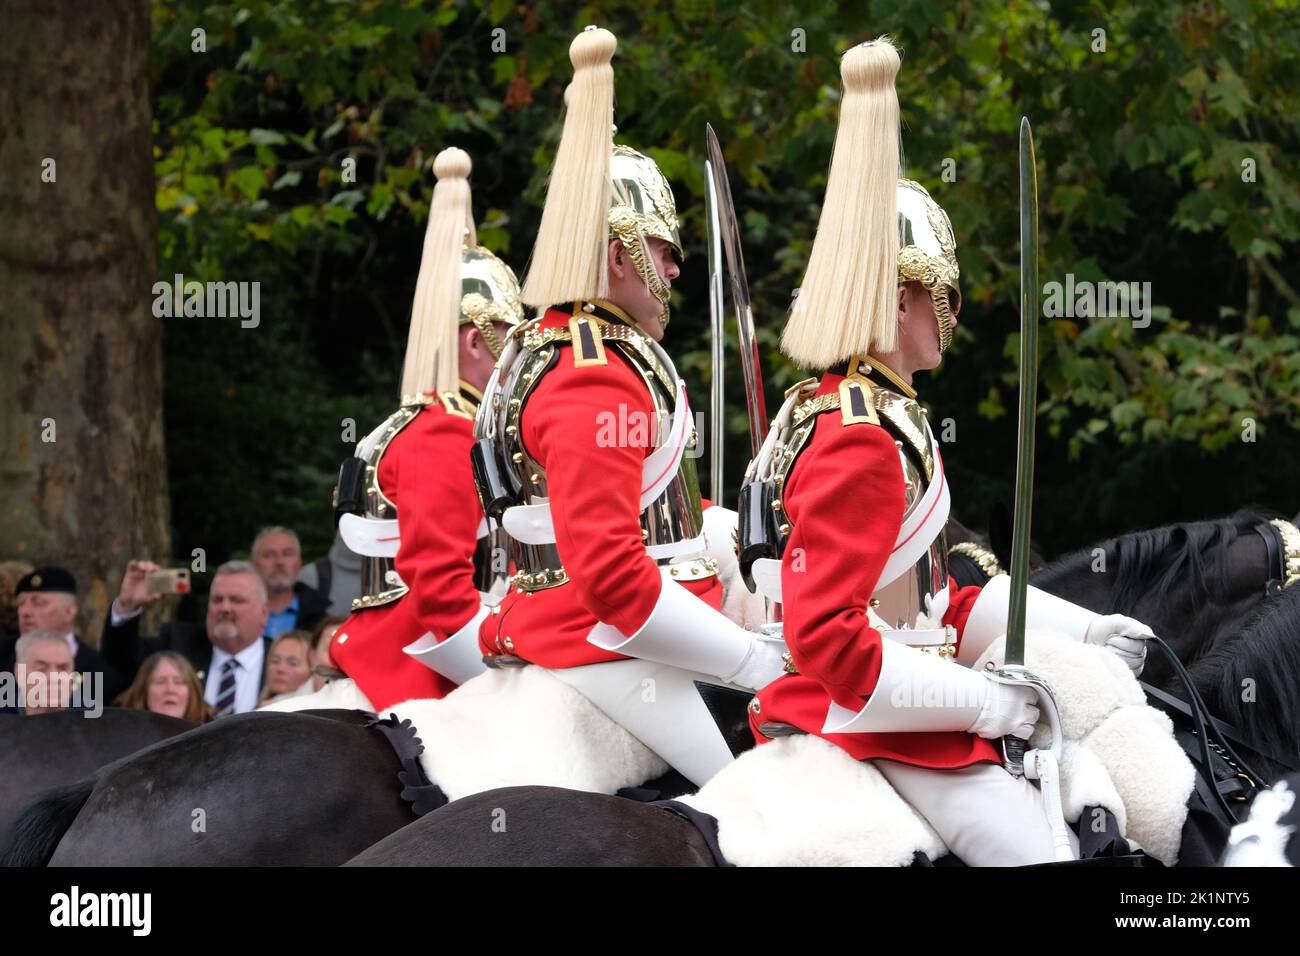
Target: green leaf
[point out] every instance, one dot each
(348, 198)
(291, 178)
(266, 137)
(503, 69)
(249, 180)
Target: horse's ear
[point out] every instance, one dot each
(1000, 533)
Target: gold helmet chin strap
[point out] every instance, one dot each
(476, 308)
(942, 316)
(624, 228)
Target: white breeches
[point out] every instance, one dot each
(986, 816)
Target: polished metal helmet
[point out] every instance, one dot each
(928, 253)
(489, 292)
(642, 208)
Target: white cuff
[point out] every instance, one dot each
(372, 537)
(458, 658)
(916, 693)
(682, 631)
(988, 617)
(117, 619)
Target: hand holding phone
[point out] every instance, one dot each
(169, 581)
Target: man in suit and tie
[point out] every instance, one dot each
(229, 652)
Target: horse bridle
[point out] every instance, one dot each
(985, 559)
(1282, 542)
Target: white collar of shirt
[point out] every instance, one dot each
(72, 642)
(248, 675)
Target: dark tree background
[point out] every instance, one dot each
(1166, 142)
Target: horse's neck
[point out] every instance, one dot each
(1074, 578)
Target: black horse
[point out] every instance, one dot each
(1194, 584)
(237, 771)
(521, 826)
(303, 789)
(45, 751)
(1250, 679)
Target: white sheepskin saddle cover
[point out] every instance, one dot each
(521, 726)
(341, 694)
(802, 801)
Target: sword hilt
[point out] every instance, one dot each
(1013, 755)
(1013, 748)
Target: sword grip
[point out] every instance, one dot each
(1013, 752)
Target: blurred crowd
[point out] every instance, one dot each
(264, 636)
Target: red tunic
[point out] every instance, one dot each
(581, 426)
(426, 473)
(845, 500)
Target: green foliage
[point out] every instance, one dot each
(1140, 147)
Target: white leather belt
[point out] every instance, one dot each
(923, 637)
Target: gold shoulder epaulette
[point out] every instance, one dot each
(588, 346)
(455, 405)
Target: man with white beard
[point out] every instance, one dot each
(229, 652)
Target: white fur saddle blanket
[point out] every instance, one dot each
(341, 694)
(521, 726)
(802, 801)
(510, 727)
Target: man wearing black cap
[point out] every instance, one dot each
(47, 600)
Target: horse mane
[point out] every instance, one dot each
(1262, 657)
(1154, 561)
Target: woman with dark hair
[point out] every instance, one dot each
(167, 684)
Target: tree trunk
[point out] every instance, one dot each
(81, 430)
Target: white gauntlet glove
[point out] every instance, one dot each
(684, 631)
(764, 664)
(1008, 709)
(923, 693)
(1123, 636)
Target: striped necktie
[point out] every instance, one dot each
(226, 689)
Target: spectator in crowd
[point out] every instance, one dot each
(336, 577)
(228, 652)
(46, 599)
(278, 558)
(11, 572)
(45, 662)
(288, 667)
(323, 669)
(167, 684)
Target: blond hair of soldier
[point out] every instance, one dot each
(432, 346)
(847, 304)
(569, 257)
